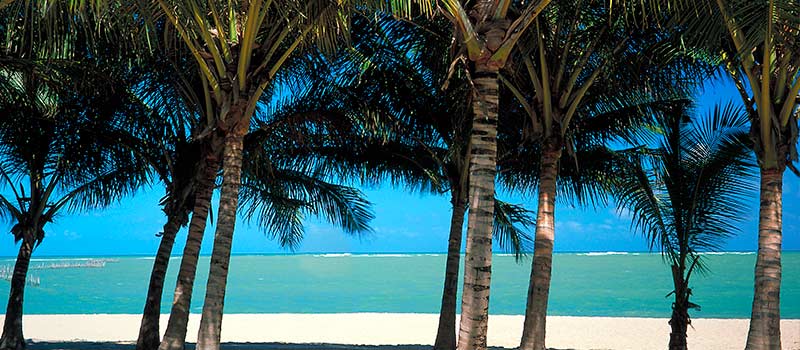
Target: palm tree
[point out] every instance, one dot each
(188, 168)
(239, 50)
(582, 64)
(406, 131)
(205, 173)
(488, 36)
(278, 188)
(48, 58)
(430, 127)
(39, 29)
(183, 181)
(755, 42)
(60, 151)
(687, 194)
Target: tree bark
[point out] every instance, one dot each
(12, 328)
(149, 337)
(679, 322)
(208, 337)
(482, 169)
(175, 335)
(533, 331)
(765, 330)
(446, 334)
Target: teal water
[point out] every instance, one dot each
(594, 284)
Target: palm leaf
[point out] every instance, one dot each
(511, 223)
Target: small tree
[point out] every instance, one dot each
(755, 43)
(579, 60)
(687, 194)
(60, 150)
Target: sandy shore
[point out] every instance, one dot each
(325, 331)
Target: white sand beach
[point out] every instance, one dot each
(329, 331)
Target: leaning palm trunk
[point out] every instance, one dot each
(12, 328)
(482, 169)
(446, 334)
(208, 337)
(533, 331)
(175, 335)
(765, 331)
(149, 329)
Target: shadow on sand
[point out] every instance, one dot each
(82, 345)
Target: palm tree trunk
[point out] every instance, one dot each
(12, 328)
(149, 336)
(208, 337)
(175, 335)
(446, 334)
(679, 322)
(533, 331)
(765, 330)
(482, 168)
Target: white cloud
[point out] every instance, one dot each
(70, 235)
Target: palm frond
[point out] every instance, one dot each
(59, 133)
(511, 223)
(635, 191)
(688, 194)
(281, 201)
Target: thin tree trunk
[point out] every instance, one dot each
(12, 328)
(175, 335)
(208, 337)
(149, 337)
(533, 331)
(482, 168)
(446, 334)
(679, 322)
(765, 326)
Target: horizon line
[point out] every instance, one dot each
(526, 254)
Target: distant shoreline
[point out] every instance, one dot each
(47, 256)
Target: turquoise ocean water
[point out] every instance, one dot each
(584, 284)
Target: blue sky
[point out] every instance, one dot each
(405, 222)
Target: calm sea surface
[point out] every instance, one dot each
(584, 284)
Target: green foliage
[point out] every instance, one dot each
(756, 44)
(280, 203)
(688, 191)
(511, 225)
(287, 174)
(400, 76)
(586, 79)
(59, 144)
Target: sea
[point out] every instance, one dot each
(616, 284)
